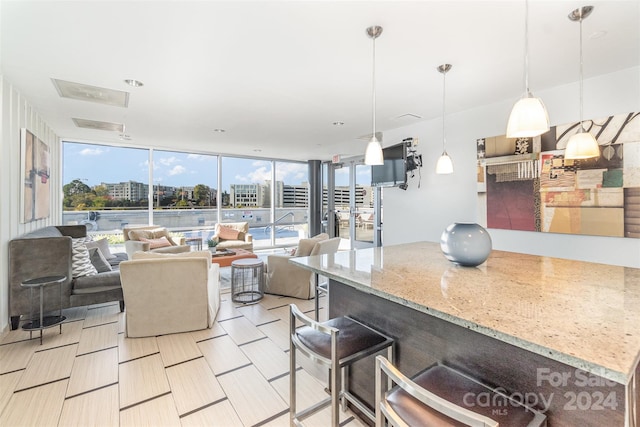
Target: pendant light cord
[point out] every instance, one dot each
(444, 88)
(373, 83)
(526, 48)
(581, 79)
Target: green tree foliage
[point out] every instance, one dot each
(202, 195)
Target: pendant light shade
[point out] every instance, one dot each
(529, 116)
(444, 164)
(582, 145)
(373, 154)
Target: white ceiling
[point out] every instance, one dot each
(276, 75)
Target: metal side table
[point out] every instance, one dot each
(247, 280)
(42, 321)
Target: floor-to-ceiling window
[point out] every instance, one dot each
(109, 187)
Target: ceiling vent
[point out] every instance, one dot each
(116, 98)
(94, 124)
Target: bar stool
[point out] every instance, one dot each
(441, 396)
(336, 344)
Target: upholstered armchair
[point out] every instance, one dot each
(284, 278)
(233, 235)
(152, 238)
(169, 293)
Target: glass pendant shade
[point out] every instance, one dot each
(582, 146)
(444, 165)
(528, 118)
(373, 154)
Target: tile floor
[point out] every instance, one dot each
(235, 374)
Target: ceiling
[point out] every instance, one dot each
(277, 75)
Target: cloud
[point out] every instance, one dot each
(145, 165)
(91, 151)
(198, 157)
(168, 161)
(177, 170)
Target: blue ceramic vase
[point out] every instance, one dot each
(466, 244)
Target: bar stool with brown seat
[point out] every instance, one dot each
(335, 344)
(441, 396)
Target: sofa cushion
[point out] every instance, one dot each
(305, 246)
(103, 245)
(154, 233)
(80, 260)
(161, 242)
(228, 233)
(106, 280)
(99, 261)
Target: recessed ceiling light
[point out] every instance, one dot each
(257, 150)
(133, 82)
(219, 130)
(125, 137)
(338, 123)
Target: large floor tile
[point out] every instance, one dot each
(251, 395)
(16, 356)
(205, 334)
(37, 406)
(93, 370)
(193, 385)
(98, 408)
(134, 348)
(227, 310)
(220, 414)
(142, 379)
(270, 359)
(71, 333)
(102, 315)
(309, 390)
(278, 332)
(98, 338)
(157, 412)
(47, 366)
(8, 383)
(257, 314)
(177, 348)
(241, 330)
(222, 354)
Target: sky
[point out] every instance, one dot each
(94, 164)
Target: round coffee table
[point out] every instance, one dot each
(247, 280)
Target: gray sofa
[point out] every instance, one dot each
(47, 252)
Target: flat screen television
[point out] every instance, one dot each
(393, 172)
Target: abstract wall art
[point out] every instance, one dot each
(36, 171)
(529, 185)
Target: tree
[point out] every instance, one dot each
(202, 194)
(75, 193)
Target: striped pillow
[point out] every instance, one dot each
(80, 259)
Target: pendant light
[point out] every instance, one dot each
(528, 117)
(444, 165)
(582, 145)
(373, 154)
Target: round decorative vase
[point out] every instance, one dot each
(465, 244)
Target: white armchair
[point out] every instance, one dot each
(152, 238)
(284, 278)
(169, 293)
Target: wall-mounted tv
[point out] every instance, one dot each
(393, 172)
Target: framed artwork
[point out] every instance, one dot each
(35, 173)
(542, 191)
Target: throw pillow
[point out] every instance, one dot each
(99, 261)
(228, 233)
(103, 245)
(80, 260)
(154, 233)
(161, 242)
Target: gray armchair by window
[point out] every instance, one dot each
(284, 278)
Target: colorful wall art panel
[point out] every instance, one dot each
(36, 188)
(530, 186)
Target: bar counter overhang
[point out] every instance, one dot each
(554, 328)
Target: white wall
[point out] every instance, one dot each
(16, 114)
(422, 214)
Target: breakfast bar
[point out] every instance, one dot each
(561, 335)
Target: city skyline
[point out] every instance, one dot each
(94, 164)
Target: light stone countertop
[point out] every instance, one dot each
(585, 315)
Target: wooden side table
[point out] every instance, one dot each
(42, 321)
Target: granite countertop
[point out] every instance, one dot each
(585, 315)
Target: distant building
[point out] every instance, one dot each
(247, 195)
(130, 190)
(364, 196)
(295, 196)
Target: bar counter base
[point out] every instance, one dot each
(568, 397)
